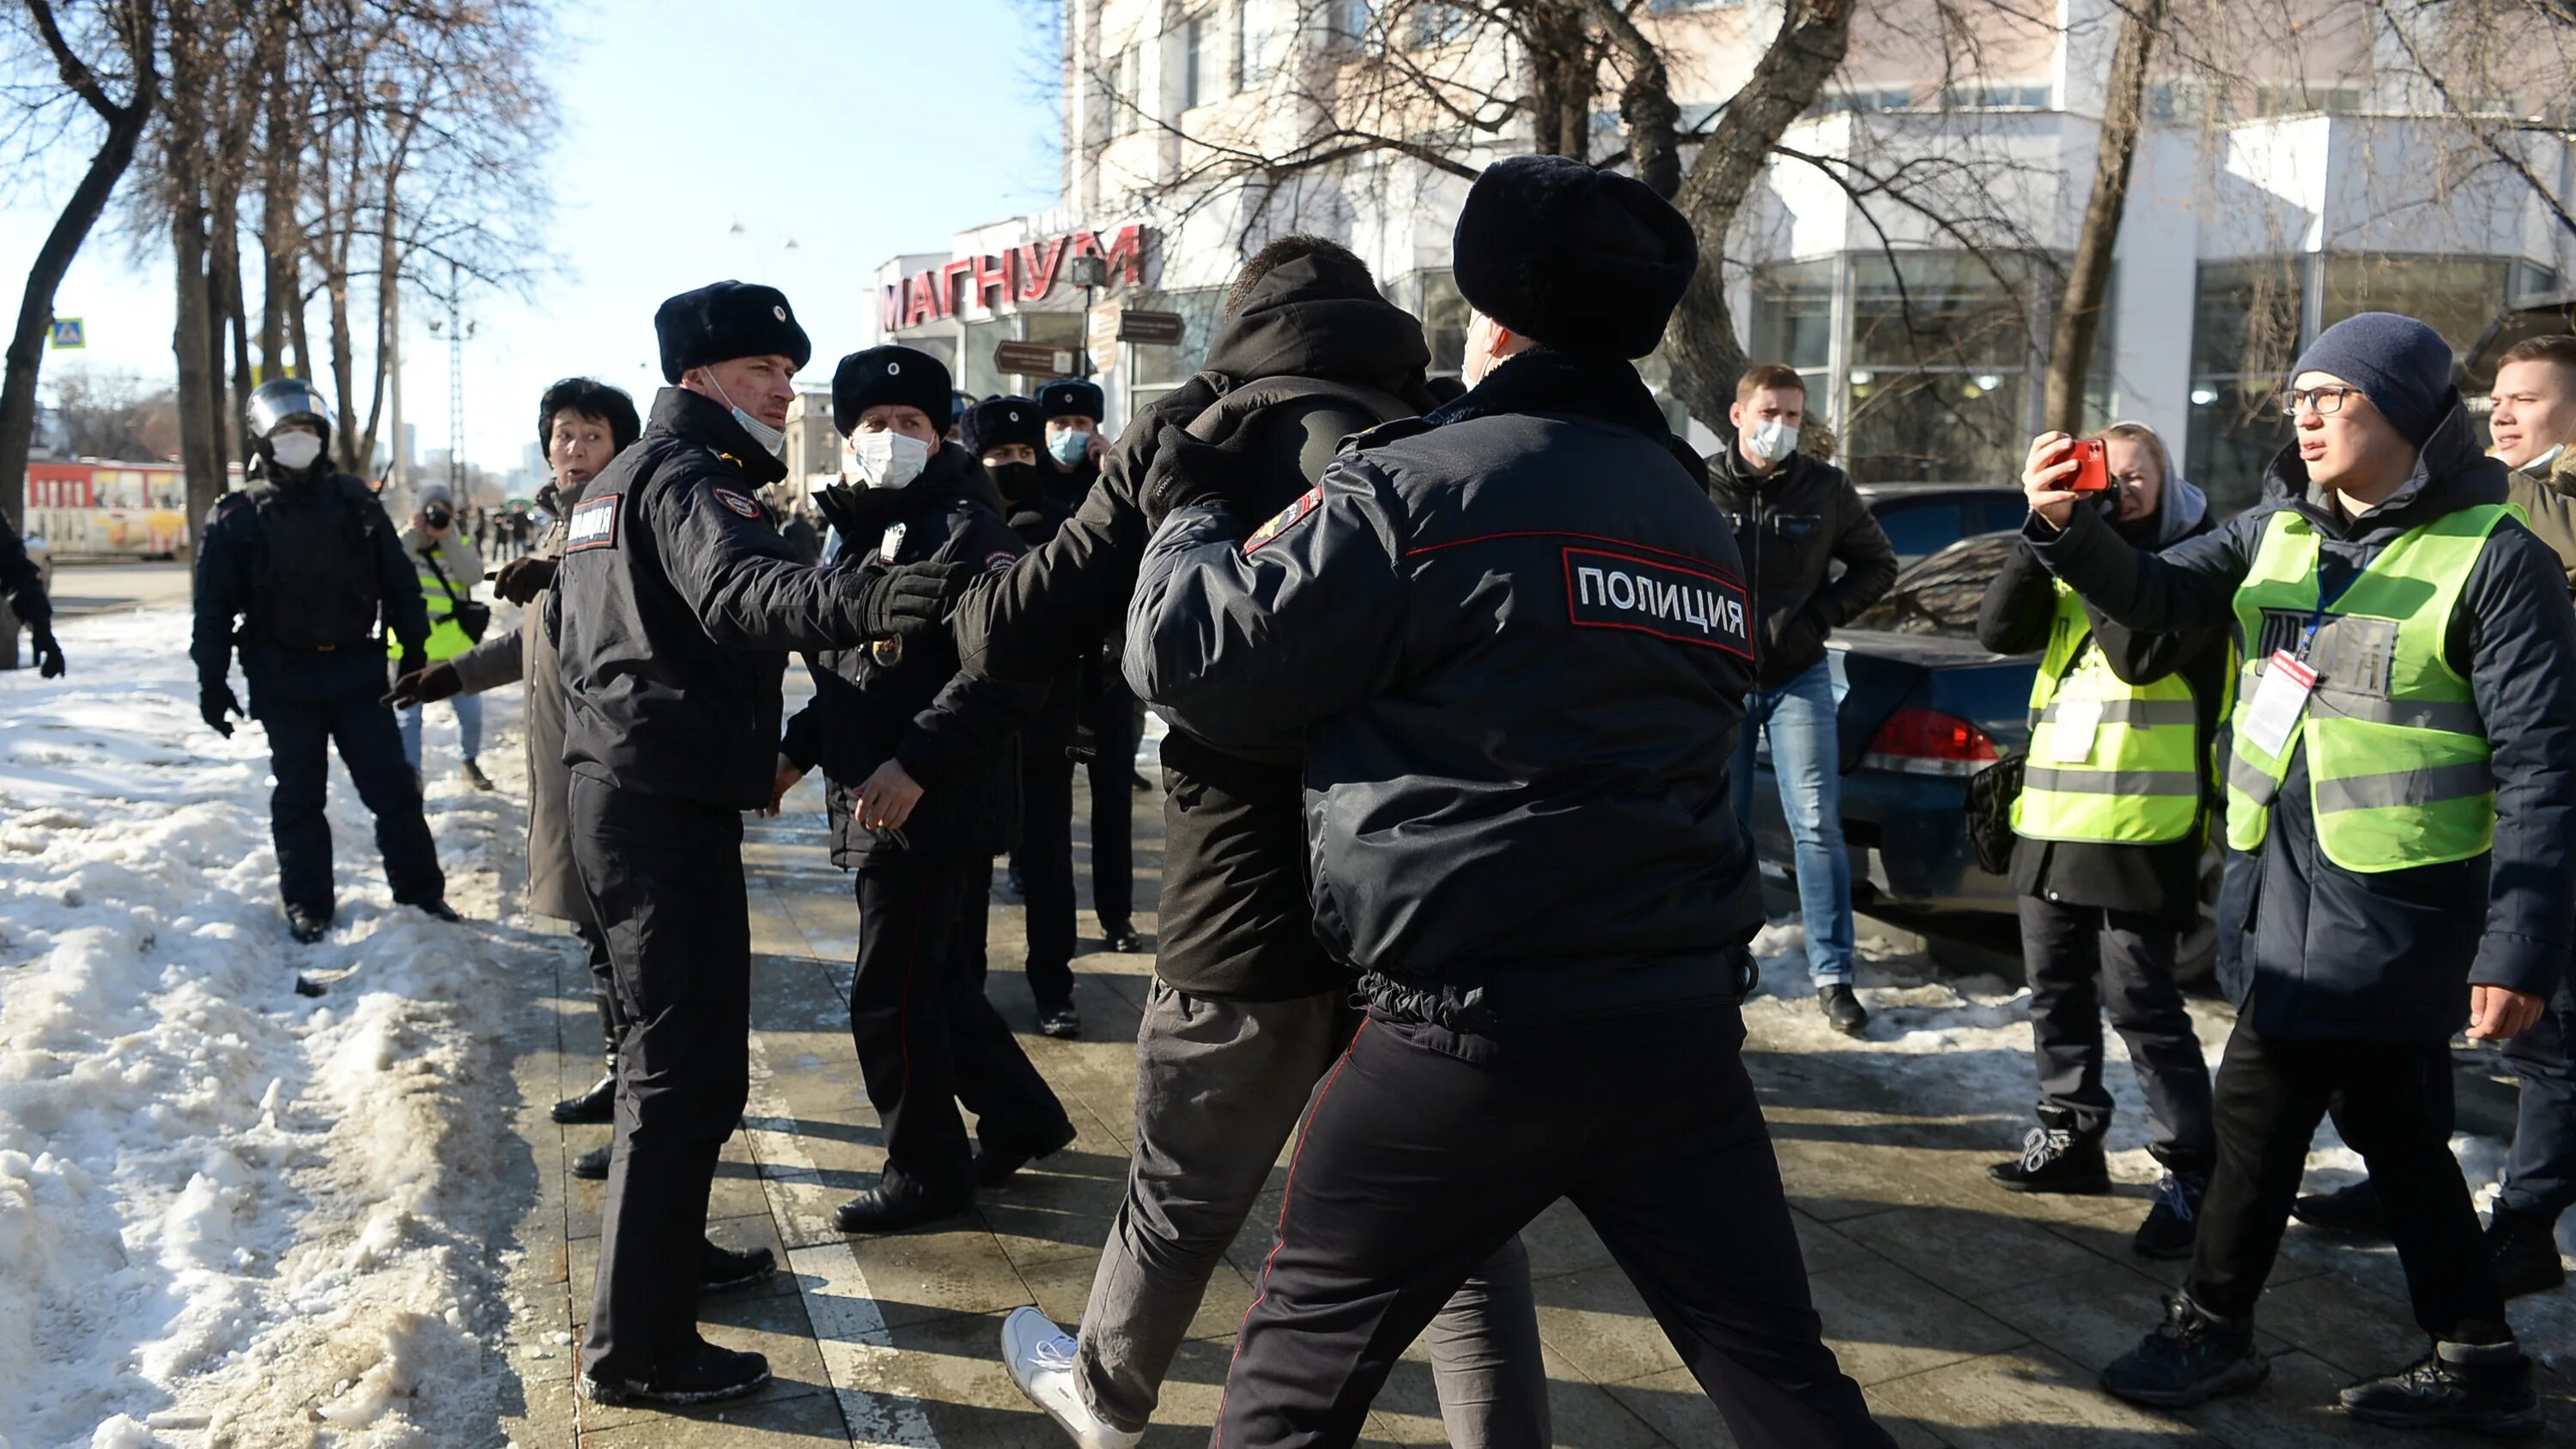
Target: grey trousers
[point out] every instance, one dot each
(1220, 1085)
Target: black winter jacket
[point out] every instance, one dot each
(1791, 525)
(2019, 610)
(904, 700)
(237, 579)
(2327, 954)
(676, 607)
(1233, 921)
(19, 581)
(1515, 637)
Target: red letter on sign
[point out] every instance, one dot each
(1127, 255)
(1038, 264)
(921, 301)
(892, 313)
(948, 275)
(993, 284)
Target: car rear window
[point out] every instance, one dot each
(1941, 594)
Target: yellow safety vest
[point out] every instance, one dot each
(446, 637)
(2135, 778)
(2397, 755)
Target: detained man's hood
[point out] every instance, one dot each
(1320, 317)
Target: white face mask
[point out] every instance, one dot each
(295, 452)
(762, 433)
(1771, 440)
(884, 460)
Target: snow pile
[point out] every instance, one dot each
(226, 1209)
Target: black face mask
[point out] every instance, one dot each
(1019, 482)
(437, 517)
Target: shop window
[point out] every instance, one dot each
(2457, 296)
(1793, 313)
(979, 375)
(1940, 427)
(2245, 331)
(1162, 365)
(1941, 309)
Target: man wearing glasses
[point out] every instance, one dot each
(2403, 773)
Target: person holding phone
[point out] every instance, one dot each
(2110, 825)
(2402, 769)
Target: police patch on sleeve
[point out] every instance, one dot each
(998, 560)
(1286, 519)
(593, 523)
(737, 503)
(1669, 600)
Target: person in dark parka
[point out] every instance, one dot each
(672, 615)
(924, 787)
(2403, 769)
(25, 586)
(2108, 881)
(1517, 643)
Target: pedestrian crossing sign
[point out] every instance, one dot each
(67, 334)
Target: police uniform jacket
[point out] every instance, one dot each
(676, 608)
(2325, 953)
(1516, 637)
(904, 699)
(308, 569)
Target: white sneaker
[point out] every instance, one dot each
(1040, 1356)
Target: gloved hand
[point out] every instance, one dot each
(49, 655)
(425, 686)
(413, 662)
(908, 599)
(214, 702)
(861, 514)
(1186, 472)
(522, 579)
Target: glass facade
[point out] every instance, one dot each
(1939, 367)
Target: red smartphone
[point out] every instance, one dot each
(2092, 468)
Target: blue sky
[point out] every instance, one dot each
(858, 129)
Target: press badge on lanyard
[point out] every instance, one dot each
(2070, 733)
(2278, 702)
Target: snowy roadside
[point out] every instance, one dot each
(230, 1214)
(1961, 1047)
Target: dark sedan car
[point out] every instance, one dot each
(1922, 708)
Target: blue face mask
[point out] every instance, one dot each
(1069, 446)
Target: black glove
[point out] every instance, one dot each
(425, 686)
(215, 701)
(1186, 472)
(907, 599)
(49, 655)
(413, 662)
(861, 514)
(522, 579)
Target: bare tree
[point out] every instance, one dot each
(115, 415)
(122, 34)
(2088, 275)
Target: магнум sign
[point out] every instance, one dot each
(1028, 272)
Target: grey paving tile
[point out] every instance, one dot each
(2027, 1398)
(1968, 1251)
(1884, 1323)
(770, 1421)
(1678, 1410)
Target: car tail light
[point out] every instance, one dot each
(1928, 742)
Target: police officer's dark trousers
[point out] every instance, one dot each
(1045, 859)
(2084, 961)
(928, 1040)
(309, 700)
(665, 883)
(1424, 1150)
(1110, 712)
(2540, 1178)
(2396, 1111)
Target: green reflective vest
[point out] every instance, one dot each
(446, 637)
(2109, 761)
(2397, 756)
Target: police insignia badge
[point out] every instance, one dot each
(593, 524)
(1671, 597)
(888, 651)
(1285, 519)
(998, 560)
(737, 503)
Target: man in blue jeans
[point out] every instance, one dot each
(1796, 516)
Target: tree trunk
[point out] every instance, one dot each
(1563, 79)
(278, 238)
(1700, 341)
(1646, 104)
(224, 293)
(2088, 276)
(26, 355)
(201, 447)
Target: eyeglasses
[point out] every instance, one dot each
(2328, 401)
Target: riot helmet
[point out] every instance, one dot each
(289, 400)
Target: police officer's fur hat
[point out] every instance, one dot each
(906, 376)
(1579, 259)
(725, 320)
(1071, 397)
(999, 420)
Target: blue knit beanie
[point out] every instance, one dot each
(2401, 365)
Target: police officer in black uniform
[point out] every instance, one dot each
(308, 561)
(1514, 636)
(673, 613)
(25, 586)
(1104, 706)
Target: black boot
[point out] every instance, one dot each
(722, 1268)
(1842, 1009)
(2483, 1388)
(2192, 1358)
(704, 1374)
(896, 1203)
(2353, 1210)
(2172, 1223)
(2524, 1248)
(597, 1105)
(2056, 1158)
(1060, 1022)
(592, 1166)
(307, 926)
(995, 1166)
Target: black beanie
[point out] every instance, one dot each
(906, 376)
(999, 420)
(2401, 365)
(1070, 397)
(725, 320)
(1579, 259)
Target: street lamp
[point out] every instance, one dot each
(1090, 273)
